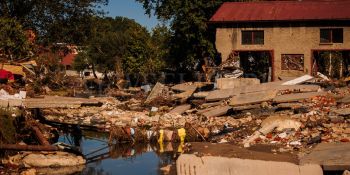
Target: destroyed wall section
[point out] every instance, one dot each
(280, 40)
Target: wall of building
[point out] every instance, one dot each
(282, 40)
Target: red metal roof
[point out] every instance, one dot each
(68, 59)
(282, 11)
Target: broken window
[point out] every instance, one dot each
(331, 35)
(293, 62)
(253, 37)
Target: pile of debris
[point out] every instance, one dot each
(293, 113)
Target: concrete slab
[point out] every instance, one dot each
(217, 111)
(253, 98)
(156, 91)
(4, 103)
(346, 99)
(222, 94)
(180, 109)
(229, 83)
(331, 156)
(345, 111)
(297, 97)
(185, 95)
(214, 165)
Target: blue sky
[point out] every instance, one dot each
(130, 9)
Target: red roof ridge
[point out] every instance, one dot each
(282, 11)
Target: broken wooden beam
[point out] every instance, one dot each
(59, 102)
(28, 147)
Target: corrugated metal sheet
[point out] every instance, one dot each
(282, 11)
(68, 59)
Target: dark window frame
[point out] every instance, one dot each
(332, 33)
(252, 40)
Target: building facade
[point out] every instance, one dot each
(299, 37)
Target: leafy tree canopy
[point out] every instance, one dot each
(192, 39)
(54, 21)
(14, 43)
(122, 43)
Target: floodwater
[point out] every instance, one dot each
(121, 159)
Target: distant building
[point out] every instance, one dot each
(292, 37)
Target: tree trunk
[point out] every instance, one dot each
(93, 71)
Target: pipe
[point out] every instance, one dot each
(28, 147)
(40, 136)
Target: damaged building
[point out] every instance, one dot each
(279, 39)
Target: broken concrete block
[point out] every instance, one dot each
(229, 83)
(271, 123)
(297, 97)
(213, 165)
(57, 159)
(253, 98)
(180, 109)
(156, 91)
(331, 156)
(218, 111)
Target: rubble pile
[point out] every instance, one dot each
(293, 114)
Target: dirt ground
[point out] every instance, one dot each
(257, 152)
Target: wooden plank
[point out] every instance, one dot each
(297, 97)
(299, 80)
(229, 83)
(58, 102)
(331, 156)
(246, 107)
(218, 95)
(207, 105)
(156, 91)
(218, 111)
(253, 98)
(180, 109)
(290, 105)
(201, 94)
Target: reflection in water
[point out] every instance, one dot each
(104, 159)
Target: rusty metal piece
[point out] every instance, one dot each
(40, 136)
(28, 147)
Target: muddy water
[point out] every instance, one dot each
(120, 159)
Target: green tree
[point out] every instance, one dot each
(13, 41)
(193, 38)
(54, 21)
(120, 42)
